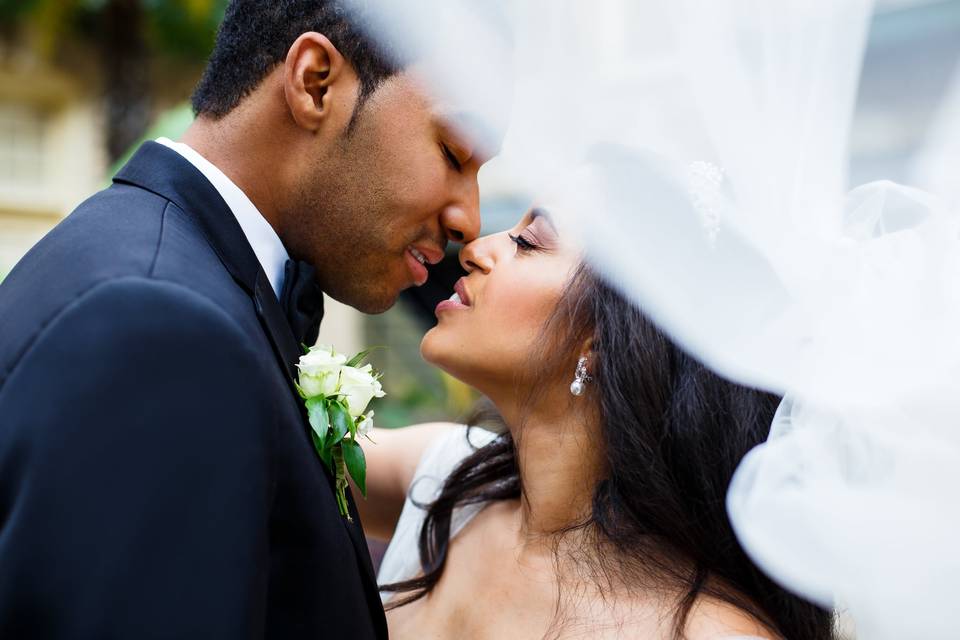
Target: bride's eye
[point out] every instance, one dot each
(522, 243)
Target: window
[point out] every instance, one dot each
(22, 132)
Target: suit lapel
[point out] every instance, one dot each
(287, 350)
(277, 329)
(166, 173)
(163, 171)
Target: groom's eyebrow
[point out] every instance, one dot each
(480, 136)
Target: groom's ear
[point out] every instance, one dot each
(318, 83)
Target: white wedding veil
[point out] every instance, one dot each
(700, 149)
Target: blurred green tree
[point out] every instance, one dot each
(127, 35)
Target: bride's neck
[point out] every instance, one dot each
(560, 461)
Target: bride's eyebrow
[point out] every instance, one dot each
(538, 212)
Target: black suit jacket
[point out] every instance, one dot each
(157, 479)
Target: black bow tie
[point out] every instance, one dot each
(302, 301)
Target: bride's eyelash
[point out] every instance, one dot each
(523, 243)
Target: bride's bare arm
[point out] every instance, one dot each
(392, 459)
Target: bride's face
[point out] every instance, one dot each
(488, 334)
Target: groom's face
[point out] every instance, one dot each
(380, 204)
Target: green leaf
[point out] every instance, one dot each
(360, 357)
(357, 359)
(340, 421)
(353, 428)
(356, 464)
(305, 348)
(318, 416)
(325, 453)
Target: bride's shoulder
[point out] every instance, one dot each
(467, 439)
(451, 447)
(714, 619)
(447, 446)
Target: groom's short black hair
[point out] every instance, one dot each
(255, 36)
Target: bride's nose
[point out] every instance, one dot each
(478, 255)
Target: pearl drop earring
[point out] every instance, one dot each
(580, 378)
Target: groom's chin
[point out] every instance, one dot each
(370, 302)
(374, 306)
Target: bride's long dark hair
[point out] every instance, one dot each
(672, 434)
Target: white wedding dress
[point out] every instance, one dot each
(402, 559)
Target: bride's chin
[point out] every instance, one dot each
(430, 349)
(438, 352)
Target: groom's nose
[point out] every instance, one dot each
(460, 219)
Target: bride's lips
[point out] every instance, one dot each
(417, 258)
(459, 300)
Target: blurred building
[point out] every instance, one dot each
(53, 123)
(51, 149)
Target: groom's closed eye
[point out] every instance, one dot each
(478, 139)
(451, 158)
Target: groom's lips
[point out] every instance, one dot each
(418, 271)
(418, 257)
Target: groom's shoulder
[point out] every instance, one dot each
(122, 229)
(116, 232)
(122, 321)
(126, 241)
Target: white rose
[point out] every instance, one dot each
(365, 426)
(359, 387)
(320, 371)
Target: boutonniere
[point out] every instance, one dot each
(336, 391)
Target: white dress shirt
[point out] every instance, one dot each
(266, 243)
